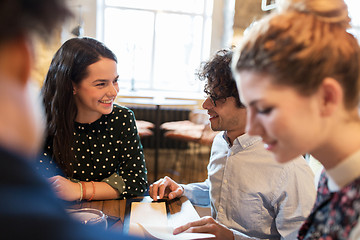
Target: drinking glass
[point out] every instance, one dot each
(90, 216)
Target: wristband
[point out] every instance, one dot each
(93, 193)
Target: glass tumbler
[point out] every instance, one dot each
(90, 216)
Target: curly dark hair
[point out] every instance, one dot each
(218, 76)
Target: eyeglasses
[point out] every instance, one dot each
(217, 100)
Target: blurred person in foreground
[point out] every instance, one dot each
(250, 194)
(297, 72)
(29, 208)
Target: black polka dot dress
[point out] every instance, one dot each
(109, 150)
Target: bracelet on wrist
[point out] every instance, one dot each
(81, 192)
(93, 193)
(84, 190)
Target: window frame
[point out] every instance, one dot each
(205, 51)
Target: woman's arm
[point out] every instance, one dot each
(80, 190)
(99, 191)
(130, 178)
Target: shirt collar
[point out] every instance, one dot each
(344, 173)
(243, 141)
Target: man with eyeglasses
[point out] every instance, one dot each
(251, 196)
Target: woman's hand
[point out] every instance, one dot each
(207, 225)
(65, 189)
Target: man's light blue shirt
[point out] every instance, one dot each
(252, 194)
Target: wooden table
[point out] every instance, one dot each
(181, 211)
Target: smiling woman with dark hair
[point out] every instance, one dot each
(92, 140)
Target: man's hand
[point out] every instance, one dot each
(206, 225)
(65, 189)
(165, 187)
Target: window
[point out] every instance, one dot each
(159, 43)
(267, 5)
(353, 8)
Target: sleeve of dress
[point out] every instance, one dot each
(45, 165)
(130, 179)
(198, 193)
(295, 198)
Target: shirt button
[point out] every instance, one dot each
(225, 181)
(221, 209)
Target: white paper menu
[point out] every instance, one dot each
(146, 214)
(150, 218)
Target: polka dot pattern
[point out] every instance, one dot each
(109, 150)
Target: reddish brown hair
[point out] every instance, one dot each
(303, 43)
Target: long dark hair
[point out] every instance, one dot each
(68, 67)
